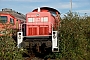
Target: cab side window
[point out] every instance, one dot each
(3, 19)
(11, 20)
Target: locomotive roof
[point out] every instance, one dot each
(48, 8)
(13, 13)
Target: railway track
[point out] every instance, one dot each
(34, 58)
(35, 54)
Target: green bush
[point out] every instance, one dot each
(74, 38)
(8, 49)
(8, 46)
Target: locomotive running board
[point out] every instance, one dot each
(55, 44)
(19, 39)
(39, 36)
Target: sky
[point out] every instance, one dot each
(63, 6)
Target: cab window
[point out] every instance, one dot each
(30, 19)
(44, 19)
(11, 20)
(3, 19)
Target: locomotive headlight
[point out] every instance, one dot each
(37, 15)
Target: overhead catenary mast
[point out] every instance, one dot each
(71, 5)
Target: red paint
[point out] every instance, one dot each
(35, 25)
(9, 25)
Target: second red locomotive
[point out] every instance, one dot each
(40, 29)
(10, 19)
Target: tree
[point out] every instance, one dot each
(8, 48)
(74, 38)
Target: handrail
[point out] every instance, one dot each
(20, 25)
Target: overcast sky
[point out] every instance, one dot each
(63, 6)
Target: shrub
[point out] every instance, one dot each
(8, 48)
(74, 38)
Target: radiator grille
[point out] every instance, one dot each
(39, 30)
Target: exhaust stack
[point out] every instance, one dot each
(38, 9)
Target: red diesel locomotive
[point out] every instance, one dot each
(10, 19)
(40, 29)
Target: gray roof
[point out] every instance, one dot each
(17, 15)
